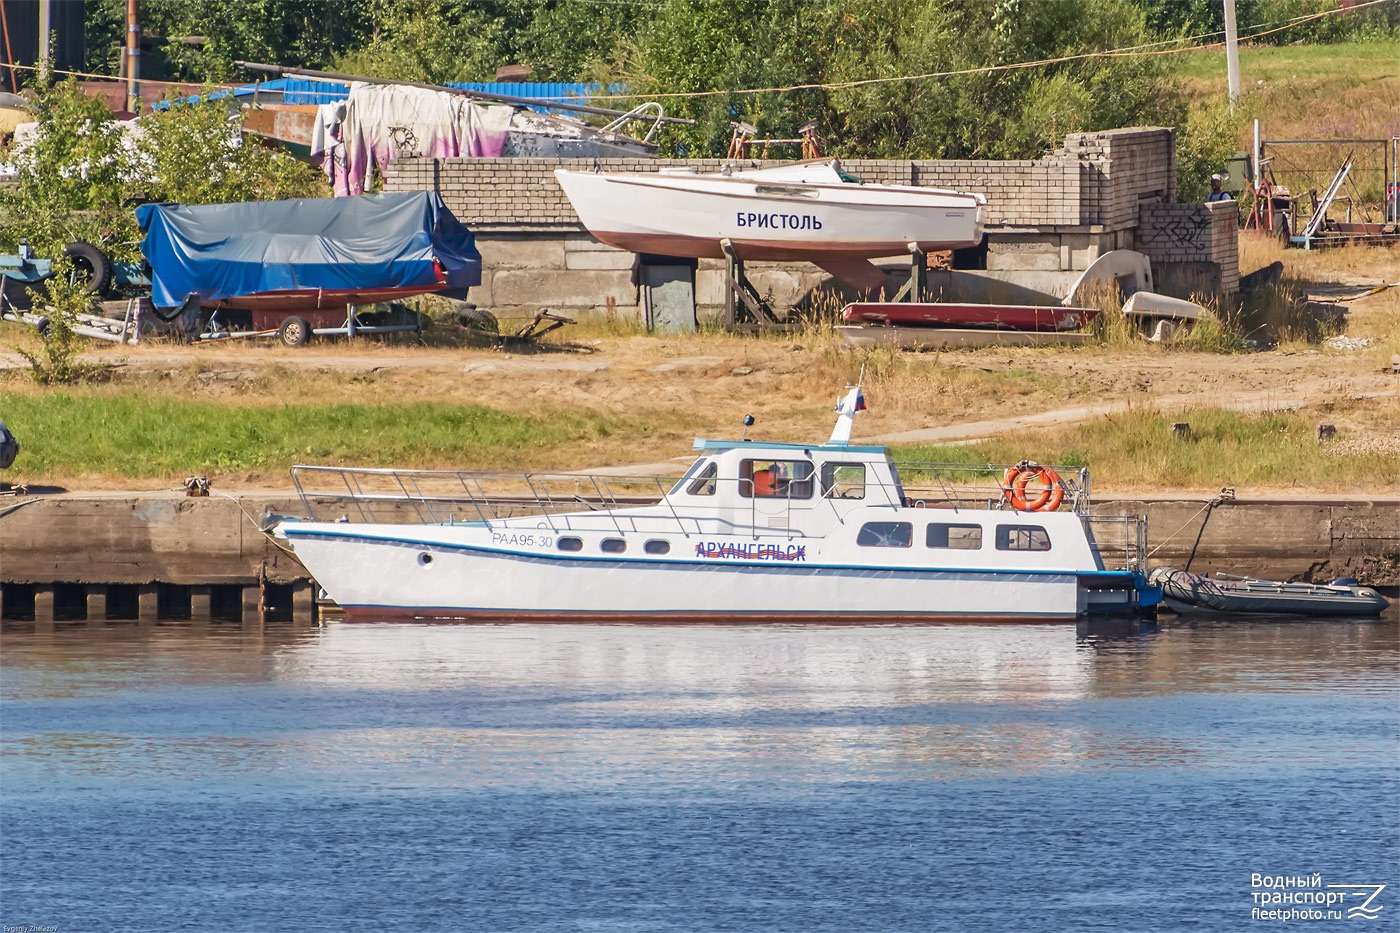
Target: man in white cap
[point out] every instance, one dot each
(1216, 194)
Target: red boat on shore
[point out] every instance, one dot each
(1005, 317)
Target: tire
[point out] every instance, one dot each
(478, 319)
(92, 264)
(294, 332)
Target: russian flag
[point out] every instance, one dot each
(860, 400)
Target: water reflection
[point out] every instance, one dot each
(512, 706)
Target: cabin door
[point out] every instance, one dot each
(775, 494)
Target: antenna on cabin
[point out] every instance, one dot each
(748, 423)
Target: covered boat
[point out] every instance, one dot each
(308, 254)
(806, 211)
(1192, 592)
(753, 532)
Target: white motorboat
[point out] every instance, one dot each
(753, 532)
(805, 211)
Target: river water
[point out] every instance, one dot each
(634, 778)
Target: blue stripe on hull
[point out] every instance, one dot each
(714, 564)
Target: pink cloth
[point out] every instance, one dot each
(387, 122)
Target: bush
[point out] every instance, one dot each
(83, 172)
(56, 362)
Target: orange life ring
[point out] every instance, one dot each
(1007, 479)
(1017, 478)
(1052, 491)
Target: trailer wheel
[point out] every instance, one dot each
(294, 332)
(90, 264)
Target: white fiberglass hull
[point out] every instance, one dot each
(768, 218)
(415, 572)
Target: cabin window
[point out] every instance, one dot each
(613, 546)
(657, 546)
(775, 479)
(704, 482)
(570, 544)
(886, 534)
(1022, 538)
(843, 480)
(957, 537)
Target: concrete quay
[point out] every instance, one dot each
(163, 557)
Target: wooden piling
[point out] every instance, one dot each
(43, 608)
(148, 598)
(252, 607)
(303, 604)
(200, 605)
(96, 605)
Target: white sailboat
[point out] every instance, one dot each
(805, 211)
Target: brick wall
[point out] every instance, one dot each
(1121, 169)
(1096, 179)
(1197, 244)
(1055, 215)
(523, 192)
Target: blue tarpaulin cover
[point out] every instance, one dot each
(367, 242)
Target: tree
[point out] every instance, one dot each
(83, 173)
(718, 45)
(307, 33)
(194, 153)
(991, 114)
(71, 177)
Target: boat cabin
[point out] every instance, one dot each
(802, 477)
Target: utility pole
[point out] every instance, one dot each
(1232, 52)
(45, 28)
(133, 57)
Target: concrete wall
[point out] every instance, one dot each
(142, 539)
(1046, 219)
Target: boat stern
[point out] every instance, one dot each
(1118, 594)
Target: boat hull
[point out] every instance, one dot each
(1002, 317)
(692, 215)
(409, 578)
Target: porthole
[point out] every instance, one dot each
(657, 546)
(570, 544)
(425, 559)
(613, 546)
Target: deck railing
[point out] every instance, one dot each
(373, 495)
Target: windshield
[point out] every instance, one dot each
(694, 468)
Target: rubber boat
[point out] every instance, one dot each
(1223, 592)
(753, 532)
(805, 211)
(1002, 317)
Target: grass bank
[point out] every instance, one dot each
(1305, 91)
(1341, 91)
(72, 434)
(1138, 449)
